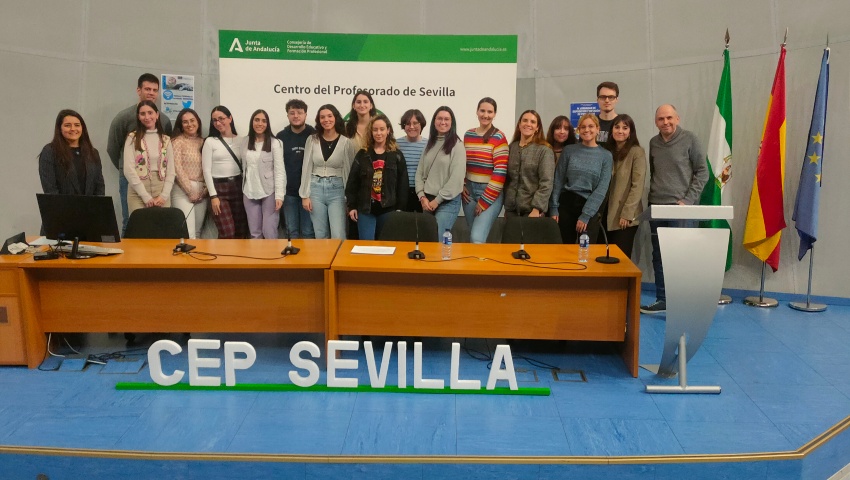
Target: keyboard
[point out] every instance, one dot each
(90, 250)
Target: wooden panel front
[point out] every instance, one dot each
(483, 307)
(8, 281)
(12, 349)
(173, 300)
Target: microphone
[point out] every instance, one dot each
(289, 249)
(521, 254)
(607, 258)
(416, 254)
(184, 247)
(75, 254)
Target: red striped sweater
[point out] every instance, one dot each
(487, 163)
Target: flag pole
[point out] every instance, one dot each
(761, 301)
(809, 306)
(726, 299)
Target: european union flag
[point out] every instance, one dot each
(808, 194)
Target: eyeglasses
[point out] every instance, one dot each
(412, 124)
(219, 119)
(606, 98)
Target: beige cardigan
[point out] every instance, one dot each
(626, 191)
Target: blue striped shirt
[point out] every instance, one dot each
(412, 154)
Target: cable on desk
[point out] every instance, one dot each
(526, 263)
(214, 256)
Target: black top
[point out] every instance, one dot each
(83, 177)
(293, 156)
(328, 147)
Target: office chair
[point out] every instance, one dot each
(403, 226)
(157, 222)
(531, 230)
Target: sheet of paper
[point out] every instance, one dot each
(369, 250)
(42, 241)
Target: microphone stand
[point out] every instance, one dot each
(521, 254)
(289, 249)
(608, 259)
(184, 247)
(416, 254)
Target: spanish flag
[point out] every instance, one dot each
(766, 215)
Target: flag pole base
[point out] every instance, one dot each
(762, 302)
(807, 307)
(724, 300)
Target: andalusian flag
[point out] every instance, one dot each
(808, 195)
(719, 153)
(766, 216)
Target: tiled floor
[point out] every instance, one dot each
(785, 377)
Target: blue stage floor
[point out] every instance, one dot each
(785, 377)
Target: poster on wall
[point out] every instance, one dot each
(264, 70)
(178, 92)
(579, 109)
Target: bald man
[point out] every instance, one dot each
(678, 173)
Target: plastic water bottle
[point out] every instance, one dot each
(583, 247)
(447, 244)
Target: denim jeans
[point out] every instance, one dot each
(446, 215)
(369, 225)
(297, 220)
(657, 267)
(479, 227)
(123, 186)
(329, 213)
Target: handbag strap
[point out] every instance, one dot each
(235, 158)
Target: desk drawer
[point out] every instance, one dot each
(8, 281)
(11, 333)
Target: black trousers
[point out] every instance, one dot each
(568, 213)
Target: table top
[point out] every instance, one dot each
(484, 259)
(255, 254)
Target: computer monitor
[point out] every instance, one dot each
(89, 218)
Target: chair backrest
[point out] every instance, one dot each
(531, 230)
(403, 227)
(157, 222)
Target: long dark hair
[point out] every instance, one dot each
(351, 126)
(214, 131)
(339, 123)
(177, 129)
(632, 141)
(490, 131)
(538, 137)
(141, 129)
(267, 135)
(556, 124)
(61, 149)
(450, 139)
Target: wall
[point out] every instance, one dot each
(87, 54)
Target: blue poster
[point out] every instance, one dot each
(579, 109)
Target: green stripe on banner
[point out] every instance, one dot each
(345, 47)
(288, 387)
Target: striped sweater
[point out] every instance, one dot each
(486, 163)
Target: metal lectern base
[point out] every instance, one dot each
(724, 300)
(763, 302)
(683, 386)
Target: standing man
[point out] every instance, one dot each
(607, 96)
(294, 137)
(125, 122)
(678, 174)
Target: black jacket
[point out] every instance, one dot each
(56, 180)
(358, 190)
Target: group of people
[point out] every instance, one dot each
(357, 171)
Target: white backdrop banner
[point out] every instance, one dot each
(267, 69)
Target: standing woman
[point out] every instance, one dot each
(264, 182)
(531, 169)
(440, 173)
(561, 134)
(190, 193)
(581, 182)
(327, 161)
(412, 144)
(377, 184)
(69, 164)
(223, 174)
(362, 111)
(148, 161)
(626, 191)
(486, 168)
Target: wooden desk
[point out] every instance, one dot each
(147, 289)
(393, 295)
(12, 351)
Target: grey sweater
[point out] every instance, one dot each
(531, 171)
(121, 126)
(677, 168)
(441, 174)
(585, 171)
